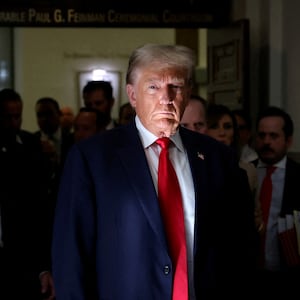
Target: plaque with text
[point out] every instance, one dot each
(112, 13)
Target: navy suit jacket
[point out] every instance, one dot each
(290, 202)
(109, 241)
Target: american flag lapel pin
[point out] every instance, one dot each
(200, 155)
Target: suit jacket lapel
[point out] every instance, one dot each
(133, 158)
(198, 158)
(290, 202)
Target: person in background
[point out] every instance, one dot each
(25, 226)
(55, 145)
(194, 116)
(108, 222)
(244, 124)
(99, 95)
(222, 126)
(55, 141)
(279, 268)
(88, 122)
(67, 118)
(126, 114)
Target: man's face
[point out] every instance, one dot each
(159, 98)
(67, 117)
(85, 125)
(11, 118)
(48, 117)
(244, 132)
(97, 100)
(127, 115)
(222, 130)
(271, 142)
(194, 117)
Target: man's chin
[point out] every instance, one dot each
(268, 159)
(168, 128)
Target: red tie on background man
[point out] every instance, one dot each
(266, 194)
(170, 201)
(265, 198)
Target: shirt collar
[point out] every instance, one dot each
(149, 138)
(280, 164)
(18, 139)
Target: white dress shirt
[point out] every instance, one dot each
(248, 154)
(179, 159)
(272, 258)
(55, 141)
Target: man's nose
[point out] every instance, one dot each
(166, 96)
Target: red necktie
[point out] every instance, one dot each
(265, 198)
(266, 194)
(170, 201)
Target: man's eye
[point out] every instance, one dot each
(228, 126)
(177, 87)
(199, 125)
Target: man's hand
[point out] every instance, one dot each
(47, 286)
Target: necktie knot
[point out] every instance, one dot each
(163, 142)
(270, 170)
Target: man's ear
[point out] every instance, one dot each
(289, 141)
(131, 94)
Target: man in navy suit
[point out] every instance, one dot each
(280, 266)
(109, 240)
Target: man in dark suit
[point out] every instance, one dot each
(276, 270)
(25, 225)
(98, 94)
(109, 240)
(54, 140)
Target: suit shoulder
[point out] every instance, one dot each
(29, 138)
(107, 139)
(292, 164)
(195, 139)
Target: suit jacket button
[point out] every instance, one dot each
(166, 270)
